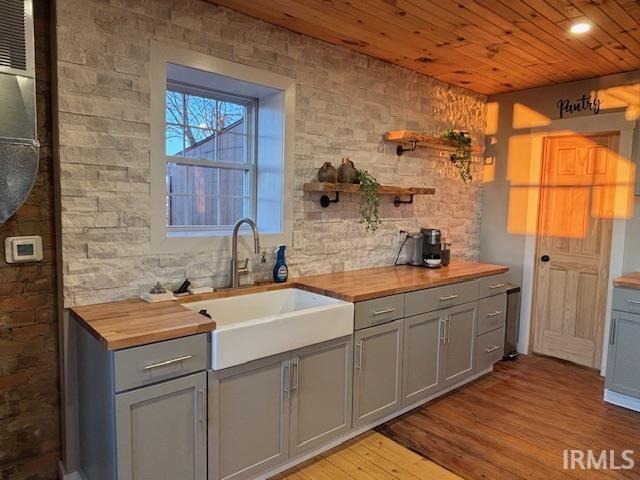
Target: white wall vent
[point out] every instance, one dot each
(16, 37)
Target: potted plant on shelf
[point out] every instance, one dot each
(370, 200)
(462, 156)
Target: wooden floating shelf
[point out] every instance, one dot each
(337, 188)
(417, 139)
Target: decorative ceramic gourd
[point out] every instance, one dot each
(347, 172)
(327, 173)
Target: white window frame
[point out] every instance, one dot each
(275, 145)
(251, 127)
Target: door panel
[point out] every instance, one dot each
(377, 372)
(161, 430)
(321, 383)
(421, 357)
(623, 374)
(577, 204)
(459, 345)
(248, 420)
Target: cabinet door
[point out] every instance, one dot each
(321, 382)
(161, 431)
(377, 372)
(248, 418)
(459, 343)
(623, 374)
(421, 357)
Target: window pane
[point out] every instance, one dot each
(174, 140)
(174, 107)
(204, 196)
(201, 111)
(231, 147)
(231, 115)
(200, 143)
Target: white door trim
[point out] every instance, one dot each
(610, 122)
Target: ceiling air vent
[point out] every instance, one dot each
(16, 37)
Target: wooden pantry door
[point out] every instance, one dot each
(575, 223)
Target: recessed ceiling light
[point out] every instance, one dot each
(581, 27)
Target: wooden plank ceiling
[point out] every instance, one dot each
(488, 46)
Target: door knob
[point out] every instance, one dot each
(545, 258)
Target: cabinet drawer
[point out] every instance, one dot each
(626, 300)
(424, 301)
(378, 311)
(489, 349)
(493, 285)
(152, 363)
(491, 313)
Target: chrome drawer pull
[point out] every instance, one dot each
(491, 349)
(497, 312)
(497, 285)
(382, 312)
(168, 362)
(634, 302)
(449, 297)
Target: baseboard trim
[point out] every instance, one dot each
(361, 430)
(621, 400)
(64, 475)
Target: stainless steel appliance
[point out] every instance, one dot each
(431, 247)
(513, 323)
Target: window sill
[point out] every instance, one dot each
(217, 241)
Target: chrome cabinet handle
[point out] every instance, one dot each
(443, 329)
(448, 297)
(386, 310)
(492, 349)
(497, 285)
(497, 312)
(294, 374)
(634, 302)
(448, 338)
(203, 407)
(359, 346)
(167, 362)
(612, 333)
(286, 373)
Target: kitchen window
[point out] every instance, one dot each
(210, 142)
(221, 149)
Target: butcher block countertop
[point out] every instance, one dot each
(136, 322)
(629, 280)
(359, 285)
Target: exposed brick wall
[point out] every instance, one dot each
(29, 401)
(344, 104)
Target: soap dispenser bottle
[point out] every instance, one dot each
(280, 270)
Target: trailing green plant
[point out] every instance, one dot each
(369, 201)
(462, 156)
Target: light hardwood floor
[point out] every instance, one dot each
(370, 456)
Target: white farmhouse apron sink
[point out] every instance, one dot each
(258, 325)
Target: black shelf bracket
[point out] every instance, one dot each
(397, 202)
(400, 149)
(325, 201)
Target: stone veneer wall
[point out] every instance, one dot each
(344, 104)
(29, 400)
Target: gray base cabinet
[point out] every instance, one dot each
(265, 412)
(162, 430)
(623, 372)
(421, 357)
(320, 395)
(459, 343)
(248, 418)
(377, 372)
